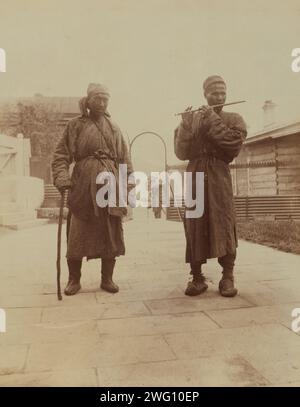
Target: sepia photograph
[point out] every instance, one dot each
(149, 196)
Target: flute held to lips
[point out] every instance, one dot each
(213, 106)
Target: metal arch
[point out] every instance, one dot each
(154, 134)
(166, 165)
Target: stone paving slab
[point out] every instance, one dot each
(258, 344)
(138, 294)
(269, 293)
(178, 281)
(242, 317)
(210, 371)
(272, 267)
(22, 316)
(159, 324)
(31, 301)
(280, 373)
(12, 358)
(106, 352)
(149, 333)
(43, 333)
(285, 384)
(264, 255)
(68, 378)
(209, 300)
(14, 288)
(98, 311)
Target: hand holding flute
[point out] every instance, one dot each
(187, 115)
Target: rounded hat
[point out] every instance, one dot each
(212, 79)
(97, 89)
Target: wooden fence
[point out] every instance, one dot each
(257, 207)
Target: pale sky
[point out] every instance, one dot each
(154, 56)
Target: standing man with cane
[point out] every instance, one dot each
(210, 139)
(96, 144)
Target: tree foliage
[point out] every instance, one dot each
(37, 121)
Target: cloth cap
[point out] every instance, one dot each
(97, 89)
(212, 79)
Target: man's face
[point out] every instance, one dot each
(215, 94)
(98, 104)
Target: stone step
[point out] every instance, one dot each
(51, 213)
(27, 224)
(52, 197)
(51, 202)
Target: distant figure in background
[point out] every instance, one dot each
(157, 212)
(210, 139)
(96, 144)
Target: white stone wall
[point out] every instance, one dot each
(20, 194)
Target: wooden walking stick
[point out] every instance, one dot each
(60, 221)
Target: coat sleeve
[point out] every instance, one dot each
(62, 158)
(227, 138)
(182, 142)
(122, 152)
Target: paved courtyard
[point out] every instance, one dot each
(150, 333)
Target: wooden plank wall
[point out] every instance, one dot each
(288, 155)
(254, 178)
(260, 207)
(262, 179)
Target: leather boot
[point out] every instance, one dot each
(226, 284)
(107, 269)
(73, 285)
(198, 285)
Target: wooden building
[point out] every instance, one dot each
(266, 175)
(269, 163)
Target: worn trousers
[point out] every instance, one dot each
(227, 262)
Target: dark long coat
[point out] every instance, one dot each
(94, 231)
(210, 144)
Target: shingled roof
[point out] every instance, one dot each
(275, 132)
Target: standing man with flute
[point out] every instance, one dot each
(210, 139)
